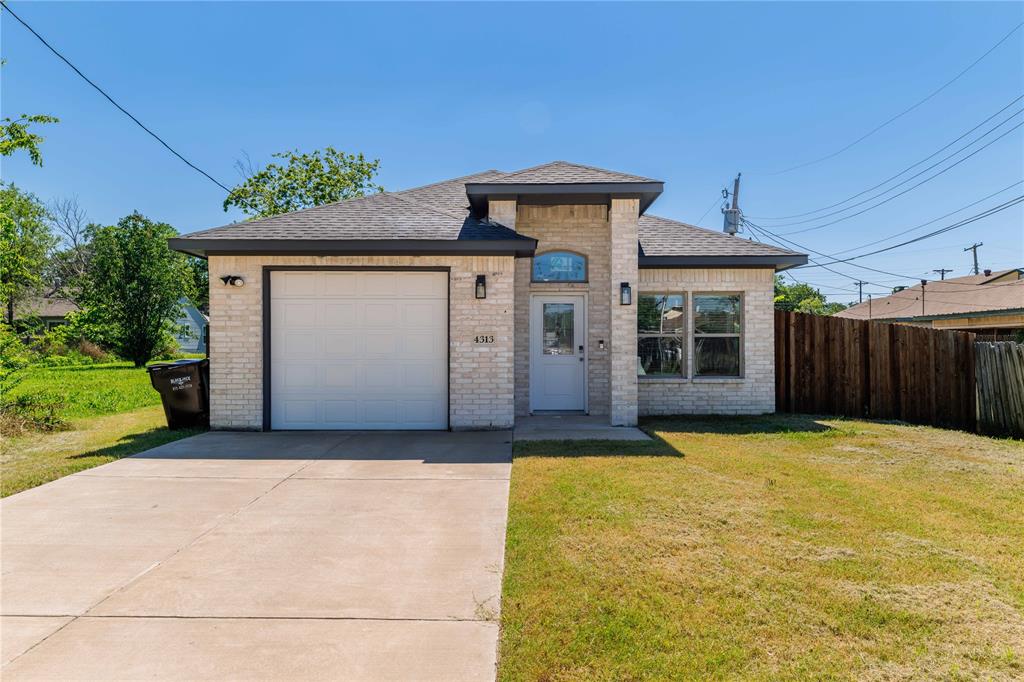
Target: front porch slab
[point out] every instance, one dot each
(573, 427)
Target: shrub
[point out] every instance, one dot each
(36, 412)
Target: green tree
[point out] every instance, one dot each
(199, 283)
(25, 241)
(15, 134)
(305, 180)
(803, 298)
(135, 282)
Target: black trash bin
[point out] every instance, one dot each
(184, 386)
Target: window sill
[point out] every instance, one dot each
(645, 378)
(718, 380)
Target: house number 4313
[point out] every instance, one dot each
(483, 338)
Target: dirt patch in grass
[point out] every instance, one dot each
(783, 547)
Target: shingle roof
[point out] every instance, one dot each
(563, 172)
(957, 296)
(438, 212)
(426, 213)
(664, 237)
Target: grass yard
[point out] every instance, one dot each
(92, 390)
(767, 548)
(112, 410)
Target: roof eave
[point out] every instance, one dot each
(478, 192)
(779, 262)
(203, 248)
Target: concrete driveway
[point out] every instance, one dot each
(369, 556)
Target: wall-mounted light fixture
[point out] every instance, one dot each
(481, 286)
(625, 294)
(233, 281)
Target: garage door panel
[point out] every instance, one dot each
(297, 344)
(340, 345)
(340, 376)
(340, 412)
(337, 313)
(297, 313)
(297, 284)
(382, 345)
(338, 284)
(359, 350)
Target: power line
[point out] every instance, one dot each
(910, 188)
(801, 246)
(893, 177)
(111, 99)
(933, 220)
(942, 230)
(905, 111)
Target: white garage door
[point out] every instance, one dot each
(359, 350)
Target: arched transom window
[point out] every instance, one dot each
(559, 266)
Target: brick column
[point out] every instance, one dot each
(623, 221)
(503, 212)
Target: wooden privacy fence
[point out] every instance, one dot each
(857, 368)
(1000, 378)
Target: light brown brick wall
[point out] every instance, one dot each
(754, 392)
(582, 228)
(481, 377)
(624, 241)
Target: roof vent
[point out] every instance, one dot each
(988, 273)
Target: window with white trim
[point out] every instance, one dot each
(717, 335)
(661, 338)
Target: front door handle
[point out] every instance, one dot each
(581, 353)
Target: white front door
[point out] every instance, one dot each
(558, 367)
(356, 349)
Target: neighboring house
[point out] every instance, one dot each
(990, 304)
(191, 328)
(468, 303)
(50, 310)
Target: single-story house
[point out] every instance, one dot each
(49, 310)
(470, 302)
(52, 311)
(990, 304)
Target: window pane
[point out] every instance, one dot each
(559, 266)
(558, 328)
(660, 355)
(716, 314)
(657, 313)
(716, 356)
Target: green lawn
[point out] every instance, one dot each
(92, 390)
(112, 412)
(767, 548)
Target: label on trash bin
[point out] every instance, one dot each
(180, 383)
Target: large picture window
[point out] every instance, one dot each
(717, 335)
(661, 323)
(559, 266)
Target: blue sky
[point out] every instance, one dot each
(688, 93)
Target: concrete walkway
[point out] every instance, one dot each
(573, 427)
(262, 556)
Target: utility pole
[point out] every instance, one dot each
(860, 291)
(733, 214)
(974, 248)
(942, 272)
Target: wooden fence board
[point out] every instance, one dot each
(856, 368)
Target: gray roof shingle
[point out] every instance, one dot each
(664, 237)
(563, 172)
(439, 212)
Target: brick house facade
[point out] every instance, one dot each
(500, 337)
